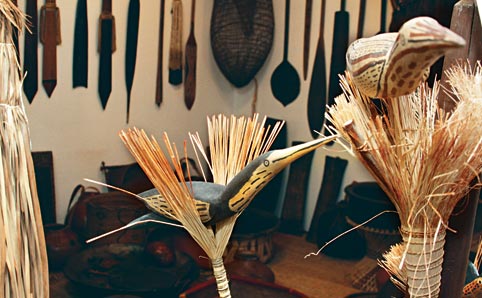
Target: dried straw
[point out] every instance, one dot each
(234, 142)
(23, 256)
(423, 158)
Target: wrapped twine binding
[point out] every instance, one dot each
(423, 263)
(241, 37)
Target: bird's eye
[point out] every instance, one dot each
(266, 163)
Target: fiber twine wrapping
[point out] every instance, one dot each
(422, 157)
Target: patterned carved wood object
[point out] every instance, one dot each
(393, 64)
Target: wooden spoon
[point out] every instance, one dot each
(285, 81)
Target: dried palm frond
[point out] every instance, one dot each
(234, 142)
(23, 255)
(423, 158)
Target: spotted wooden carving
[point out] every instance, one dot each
(394, 64)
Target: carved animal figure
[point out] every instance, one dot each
(394, 64)
(215, 202)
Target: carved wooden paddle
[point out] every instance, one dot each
(338, 51)
(160, 51)
(131, 49)
(306, 40)
(175, 47)
(190, 65)
(317, 91)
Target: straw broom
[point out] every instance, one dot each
(234, 142)
(423, 158)
(23, 256)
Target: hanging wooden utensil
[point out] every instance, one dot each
(191, 53)
(131, 48)
(361, 19)
(160, 56)
(338, 51)
(306, 42)
(30, 58)
(80, 67)
(317, 91)
(106, 46)
(285, 81)
(50, 37)
(383, 17)
(175, 48)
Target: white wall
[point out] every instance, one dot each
(73, 125)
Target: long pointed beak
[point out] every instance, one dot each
(282, 157)
(452, 39)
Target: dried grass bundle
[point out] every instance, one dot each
(423, 158)
(233, 142)
(23, 256)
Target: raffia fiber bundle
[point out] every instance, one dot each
(423, 158)
(23, 255)
(234, 142)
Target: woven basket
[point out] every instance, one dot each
(241, 37)
(112, 210)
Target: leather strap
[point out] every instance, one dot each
(30, 58)
(159, 56)
(131, 48)
(81, 65)
(106, 48)
(50, 38)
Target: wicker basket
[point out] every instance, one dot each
(112, 210)
(253, 235)
(241, 37)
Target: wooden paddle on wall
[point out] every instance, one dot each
(361, 19)
(190, 65)
(317, 91)
(306, 40)
(175, 48)
(131, 48)
(160, 55)
(338, 51)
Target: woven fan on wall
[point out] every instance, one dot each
(241, 37)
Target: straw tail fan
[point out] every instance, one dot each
(215, 202)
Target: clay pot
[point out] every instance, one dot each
(61, 244)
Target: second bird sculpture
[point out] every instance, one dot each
(393, 64)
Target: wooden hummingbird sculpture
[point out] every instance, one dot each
(215, 202)
(393, 64)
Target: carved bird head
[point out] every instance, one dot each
(427, 33)
(241, 190)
